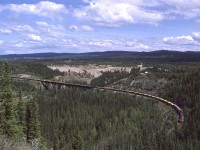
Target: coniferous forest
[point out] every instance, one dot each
(32, 117)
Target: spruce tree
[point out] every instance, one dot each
(21, 111)
(56, 142)
(77, 141)
(32, 121)
(8, 123)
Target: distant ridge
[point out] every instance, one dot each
(159, 53)
(34, 55)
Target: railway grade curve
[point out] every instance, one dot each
(59, 85)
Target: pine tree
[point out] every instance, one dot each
(32, 121)
(21, 111)
(77, 141)
(8, 123)
(56, 142)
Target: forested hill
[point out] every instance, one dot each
(153, 54)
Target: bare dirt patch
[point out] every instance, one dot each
(93, 70)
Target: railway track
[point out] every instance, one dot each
(60, 85)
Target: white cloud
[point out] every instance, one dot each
(23, 28)
(9, 52)
(1, 42)
(17, 28)
(196, 36)
(179, 40)
(113, 13)
(141, 46)
(120, 44)
(189, 42)
(189, 9)
(20, 45)
(86, 28)
(42, 23)
(116, 13)
(43, 8)
(102, 43)
(183, 4)
(33, 43)
(134, 44)
(73, 28)
(33, 37)
(5, 31)
(50, 30)
(80, 28)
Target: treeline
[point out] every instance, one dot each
(171, 71)
(18, 118)
(125, 60)
(31, 67)
(109, 77)
(27, 87)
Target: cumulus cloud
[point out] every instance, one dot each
(186, 42)
(5, 31)
(86, 28)
(120, 44)
(116, 13)
(80, 28)
(9, 52)
(73, 28)
(42, 24)
(50, 30)
(186, 8)
(22, 28)
(33, 37)
(1, 42)
(196, 36)
(20, 45)
(16, 28)
(179, 40)
(43, 8)
(34, 43)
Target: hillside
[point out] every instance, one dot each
(157, 54)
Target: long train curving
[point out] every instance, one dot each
(60, 85)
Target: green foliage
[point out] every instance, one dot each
(15, 121)
(77, 141)
(42, 70)
(8, 123)
(135, 72)
(31, 67)
(114, 121)
(26, 87)
(109, 77)
(21, 112)
(32, 122)
(185, 92)
(102, 118)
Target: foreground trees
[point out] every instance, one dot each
(8, 123)
(17, 118)
(77, 141)
(32, 122)
(104, 120)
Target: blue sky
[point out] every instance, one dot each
(34, 26)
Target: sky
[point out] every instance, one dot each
(77, 26)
